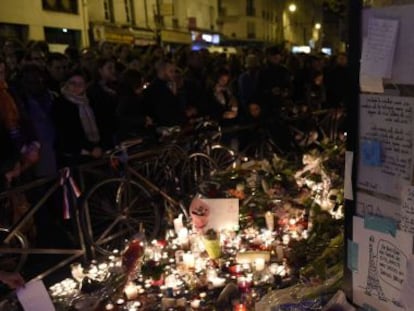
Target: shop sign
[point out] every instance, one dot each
(175, 37)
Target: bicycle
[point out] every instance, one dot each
(114, 208)
(15, 246)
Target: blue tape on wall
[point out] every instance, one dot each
(381, 224)
(352, 255)
(371, 153)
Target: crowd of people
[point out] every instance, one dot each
(60, 109)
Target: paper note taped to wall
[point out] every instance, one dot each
(382, 267)
(387, 120)
(378, 47)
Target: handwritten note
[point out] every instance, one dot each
(387, 120)
(407, 210)
(368, 205)
(382, 267)
(34, 297)
(378, 47)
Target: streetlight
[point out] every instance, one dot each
(292, 8)
(318, 26)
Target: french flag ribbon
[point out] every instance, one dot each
(69, 185)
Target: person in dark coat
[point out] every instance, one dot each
(103, 96)
(161, 97)
(133, 116)
(274, 82)
(78, 137)
(336, 83)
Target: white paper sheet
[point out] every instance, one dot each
(382, 267)
(348, 191)
(378, 47)
(407, 210)
(222, 214)
(387, 120)
(368, 205)
(34, 297)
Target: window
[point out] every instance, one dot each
(129, 11)
(109, 10)
(250, 10)
(251, 30)
(175, 23)
(63, 6)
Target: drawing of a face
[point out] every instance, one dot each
(200, 212)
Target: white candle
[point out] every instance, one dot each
(189, 261)
(195, 304)
(270, 221)
(259, 264)
(178, 224)
(183, 236)
(131, 291)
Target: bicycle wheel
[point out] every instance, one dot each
(224, 157)
(197, 168)
(112, 212)
(9, 261)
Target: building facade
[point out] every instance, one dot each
(304, 25)
(250, 20)
(59, 22)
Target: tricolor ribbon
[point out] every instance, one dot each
(69, 185)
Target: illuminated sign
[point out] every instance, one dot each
(301, 49)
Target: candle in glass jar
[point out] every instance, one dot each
(131, 291)
(195, 304)
(188, 260)
(259, 264)
(270, 221)
(243, 284)
(239, 307)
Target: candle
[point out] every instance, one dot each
(131, 291)
(178, 224)
(188, 259)
(120, 302)
(286, 239)
(270, 221)
(259, 264)
(239, 307)
(195, 304)
(243, 284)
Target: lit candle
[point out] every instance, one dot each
(270, 221)
(131, 291)
(120, 302)
(178, 224)
(188, 259)
(259, 264)
(195, 304)
(239, 307)
(286, 239)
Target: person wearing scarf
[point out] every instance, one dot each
(78, 137)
